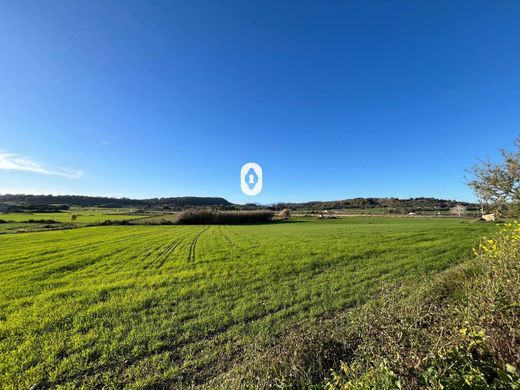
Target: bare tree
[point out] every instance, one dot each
(459, 210)
(498, 184)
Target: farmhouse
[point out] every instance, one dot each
(3, 208)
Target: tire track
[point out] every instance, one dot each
(225, 236)
(164, 251)
(191, 255)
(75, 250)
(161, 259)
(88, 254)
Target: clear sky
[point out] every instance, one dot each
(334, 99)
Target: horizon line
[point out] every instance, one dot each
(252, 202)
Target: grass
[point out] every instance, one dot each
(157, 219)
(82, 216)
(459, 329)
(170, 305)
(34, 222)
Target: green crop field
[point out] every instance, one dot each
(81, 216)
(170, 305)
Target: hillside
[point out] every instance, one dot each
(395, 205)
(387, 205)
(99, 201)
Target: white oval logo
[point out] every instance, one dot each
(251, 179)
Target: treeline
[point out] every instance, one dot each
(387, 205)
(173, 203)
(32, 208)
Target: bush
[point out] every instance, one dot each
(206, 217)
(349, 378)
(166, 222)
(110, 222)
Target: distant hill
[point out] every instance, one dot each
(98, 201)
(394, 205)
(387, 205)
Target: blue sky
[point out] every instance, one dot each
(333, 99)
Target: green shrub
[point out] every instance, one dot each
(111, 222)
(470, 363)
(354, 377)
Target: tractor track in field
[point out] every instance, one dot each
(161, 259)
(191, 255)
(225, 236)
(164, 251)
(84, 249)
(79, 249)
(86, 262)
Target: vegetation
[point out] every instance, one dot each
(205, 217)
(29, 201)
(138, 306)
(382, 205)
(458, 210)
(28, 222)
(498, 184)
(81, 217)
(26, 226)
(459, 330)
(17, 203)
(34, 208)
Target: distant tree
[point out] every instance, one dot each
(498, 184)
(73, 217)
(284, 214)
(459, 210)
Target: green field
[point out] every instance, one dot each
(175, 305)
(81, 216)
(33, 222)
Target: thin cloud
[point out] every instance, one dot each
(15, 162)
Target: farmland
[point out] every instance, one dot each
(29, 222)
(169, 305)
(81, 216)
